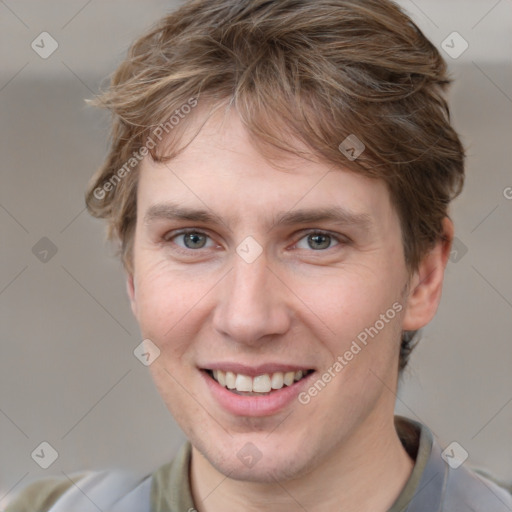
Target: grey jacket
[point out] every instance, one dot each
(434, 486)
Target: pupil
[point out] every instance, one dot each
(319, 241)
(194, 240)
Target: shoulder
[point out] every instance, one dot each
(42, 494)
(441, 482)
(466, 489)
(463, 488)
(92, 490)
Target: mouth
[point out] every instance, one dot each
(259, 385)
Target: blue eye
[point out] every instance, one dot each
(191, 240)
(194, 240)
(318, 241)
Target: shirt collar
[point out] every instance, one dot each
(170, 490)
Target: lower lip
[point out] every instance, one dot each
(264, 405)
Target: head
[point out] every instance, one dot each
(306, 149)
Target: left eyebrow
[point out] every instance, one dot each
(335, 215)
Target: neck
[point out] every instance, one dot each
(366, 473)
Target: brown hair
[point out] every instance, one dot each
(314, 71)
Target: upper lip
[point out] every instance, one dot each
(255, 370)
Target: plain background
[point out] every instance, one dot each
(68, 375)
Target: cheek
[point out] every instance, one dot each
(349, 299)
(167, 302)
(358, 315)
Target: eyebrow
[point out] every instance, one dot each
(172, 211)
(334, 214)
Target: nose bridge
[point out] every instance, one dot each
(251, 305)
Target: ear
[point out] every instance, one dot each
(427, 282)
(130, 289)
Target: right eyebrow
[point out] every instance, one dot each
(173, 211)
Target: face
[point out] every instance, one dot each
(247, 273)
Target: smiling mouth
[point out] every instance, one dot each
(260, 385)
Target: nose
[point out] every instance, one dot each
(252, 304)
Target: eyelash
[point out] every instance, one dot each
(168, 239)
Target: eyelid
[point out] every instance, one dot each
(341, 239)
(173, 233)
(170, 235)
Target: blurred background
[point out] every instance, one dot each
(68, 375)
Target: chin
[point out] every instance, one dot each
(266, 464)
(263, 472)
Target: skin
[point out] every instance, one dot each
(294, 304)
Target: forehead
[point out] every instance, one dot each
(222, 170)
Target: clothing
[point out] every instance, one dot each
(433, 486)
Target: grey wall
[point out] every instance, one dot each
(67, 372)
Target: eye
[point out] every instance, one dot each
(192, 239)
(318, 241)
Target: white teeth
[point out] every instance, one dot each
(221, 377)
(260, 384)
(277, 380)
(289, 378)
(243, 383)
(230, 380)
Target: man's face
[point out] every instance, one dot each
(283, 271)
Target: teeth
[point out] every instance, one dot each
(221, 377)
(260, 384)
(289, 377)
(230, 380)
(243, 383)
(277, 381)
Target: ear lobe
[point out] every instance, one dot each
(130, 289)
(427, 283)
